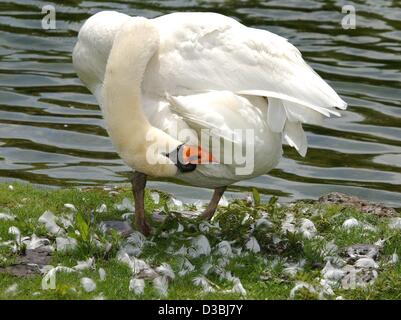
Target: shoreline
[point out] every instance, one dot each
(252, 249)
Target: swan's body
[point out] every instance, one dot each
(199, 71)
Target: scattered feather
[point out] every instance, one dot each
(88, 284)
(136, 238)
(395, 223)
(263, 222)
(49, 220)
(49, 279)
(128, 215)
(137, 286)
(15, 232)
(136, 265)
(206, 267)
(200, 246)
(35, 242)
(302, 285)
(100, 296)
(83, 265)
(307, 229)
(246, 218)
(161, 286)
(12, 290)
(7, 217)
(238, 287)
(224, 249)
(166, 271)
(102, 274)
(350, 223)
(175, 204)
(288, 224)
(183, 251)
(125, 205)
(65, 244)
(186, 267)
(394, 258)
(66, 221)
(293, 268)
(155, 197)
(325, 289)
(358, 278)
(223, 202)
(180, 228)
(70, 206)
(253, 245)
(102, 208)
(331, 273)
(366, 263)
(204, 283)
(205, 226)
(199, 204)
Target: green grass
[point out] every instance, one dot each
(261, 274)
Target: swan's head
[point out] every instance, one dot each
(186, 158)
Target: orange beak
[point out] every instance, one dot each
(195, 155)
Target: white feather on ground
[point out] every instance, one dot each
(88, 284)
(161, 286)
(137, 286)
(252, 245)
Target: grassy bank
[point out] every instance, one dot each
(250, 250)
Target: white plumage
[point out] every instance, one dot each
(208, 72)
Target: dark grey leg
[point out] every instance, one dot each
(212, 206)
(138, 189)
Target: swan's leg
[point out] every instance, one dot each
(212, 206)
(138, 189)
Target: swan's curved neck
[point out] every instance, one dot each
(129, 129)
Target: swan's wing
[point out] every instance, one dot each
(222, 113)
(207, 51)
(226, 115)
(204, 51)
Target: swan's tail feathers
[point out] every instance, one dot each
(287, 114)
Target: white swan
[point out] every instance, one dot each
(193, 71)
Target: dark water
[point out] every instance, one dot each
(51, 131)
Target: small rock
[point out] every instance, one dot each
(123, 228)
(28, 264)
(362, 205)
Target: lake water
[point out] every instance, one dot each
(52, 134)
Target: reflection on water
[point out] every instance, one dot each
(51, 130)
